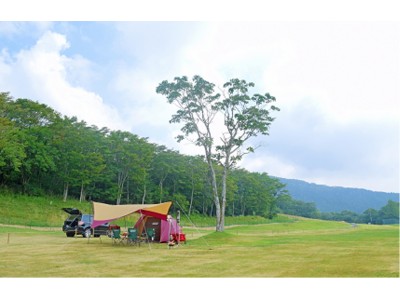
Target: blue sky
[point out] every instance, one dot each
(336, 83)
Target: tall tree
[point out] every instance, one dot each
(68, 142)
(197, 170)
(139, 176)
(200, 108)
(390, 210)
(167, 170)
(12, 149)
(195, 101)
(128, 155)
(91, 158)
(34, 121)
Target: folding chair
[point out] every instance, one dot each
(151, 233)
(133, 238)
(116, 236)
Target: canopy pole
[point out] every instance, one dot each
(193, 225)
(178, 221)
(145, 230)
(169, 232)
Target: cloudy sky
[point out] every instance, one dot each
(336, 83)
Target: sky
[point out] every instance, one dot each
(336, 83)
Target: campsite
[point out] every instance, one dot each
(288, 247)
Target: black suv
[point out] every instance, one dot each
(78, 223)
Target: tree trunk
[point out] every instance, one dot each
(82, 196)
(219, 225)
(223, 193)
(127, 191)
(161, 184)
(204, 207)
(191, 196)
(161, 190)
(144, 194)
(121, 182)
(223, 196)
(65, 194)
(25, 181)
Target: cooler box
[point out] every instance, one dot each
(180, 236)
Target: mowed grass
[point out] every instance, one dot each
(303, 248)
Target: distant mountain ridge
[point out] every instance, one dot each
(336, 199)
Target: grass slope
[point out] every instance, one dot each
(36, 211)
(47, 211)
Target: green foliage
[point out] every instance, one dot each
(390, 210)
(388, 214)
(42, 153)
(12, 149)
(290, 206)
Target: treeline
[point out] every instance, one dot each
(388, 214)
(43, 152)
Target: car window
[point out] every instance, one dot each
(87, 219)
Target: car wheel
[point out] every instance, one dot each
(87, 233)
(70, 234)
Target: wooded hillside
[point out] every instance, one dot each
(45, 153)
(335, 199)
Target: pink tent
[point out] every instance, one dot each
(163, 228)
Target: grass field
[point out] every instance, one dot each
(300, 248)
(32, 245)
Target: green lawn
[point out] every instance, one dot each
(33, 245)
(301, 248)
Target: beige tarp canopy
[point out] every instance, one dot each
(103, 213)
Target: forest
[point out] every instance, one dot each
(45, 153)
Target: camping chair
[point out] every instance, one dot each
(116, 236)
(133, 238)
(151, 233)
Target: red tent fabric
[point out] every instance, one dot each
(163, 228)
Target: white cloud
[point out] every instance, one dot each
(305, 145)
(270, 164)
(41, 73)
(350, 68)
(336, 85)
